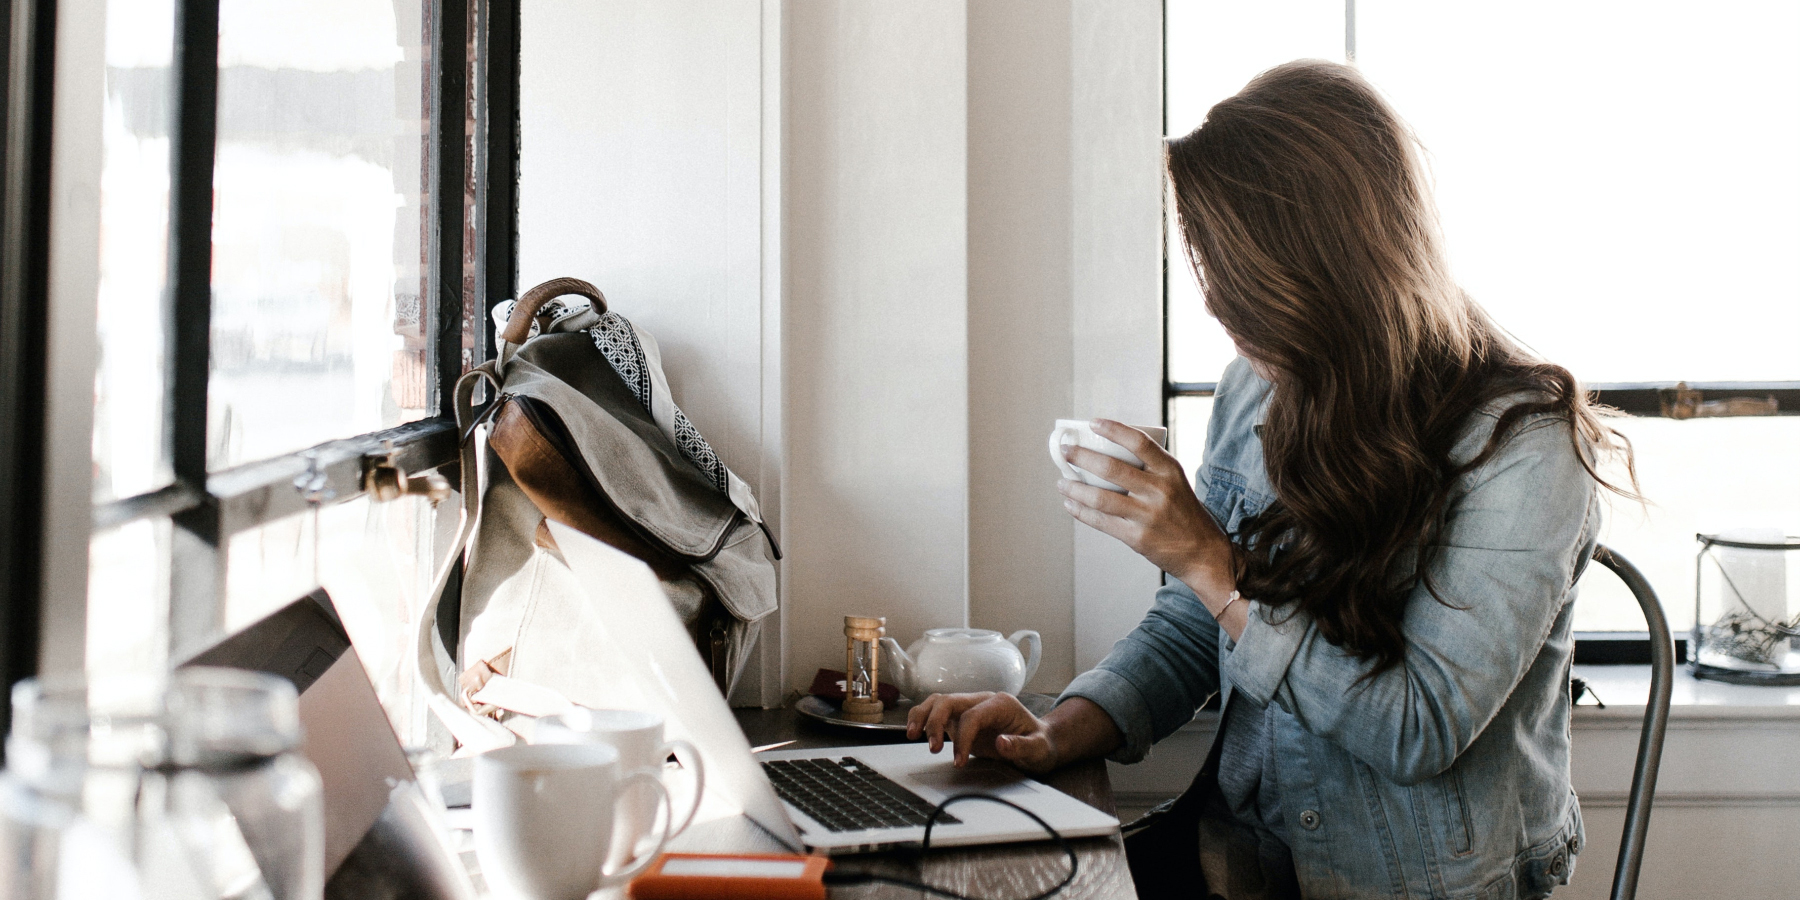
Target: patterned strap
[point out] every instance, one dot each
(618, 342)
(623, 346)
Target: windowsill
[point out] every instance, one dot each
(1625, 689)
(1727, 744)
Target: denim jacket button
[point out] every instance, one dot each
(1309, 820)
(1556, 865)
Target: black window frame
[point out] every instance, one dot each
(207, 508)
(27, 52)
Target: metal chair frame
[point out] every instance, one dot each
(1656, 722)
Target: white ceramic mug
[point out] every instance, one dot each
(638, 736)
(1080, 433)
(544, 819)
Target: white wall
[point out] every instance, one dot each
(876, 316)
(973, 230)
(884, 245)
(1065, 308)
(646, 169)
(1020, 320)
(1116, 169)
(641, 172)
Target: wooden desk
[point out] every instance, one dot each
(1004, 872)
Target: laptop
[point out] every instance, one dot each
(383, 837)
(837, 800)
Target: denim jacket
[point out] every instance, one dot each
(1446, 776)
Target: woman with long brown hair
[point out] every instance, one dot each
(1377, 567)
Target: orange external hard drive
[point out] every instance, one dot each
(691, 876)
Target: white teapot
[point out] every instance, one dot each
(951, 660)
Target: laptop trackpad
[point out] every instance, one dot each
(983, 776)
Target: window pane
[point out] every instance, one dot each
(1187, 430)
(321, 225)
(134, 224)
(377, 562)
(1213, 49)
(128, 600)
(1701, 476)
(1617, 180)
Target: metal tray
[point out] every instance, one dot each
(893, 719)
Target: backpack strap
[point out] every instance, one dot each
(436, 667)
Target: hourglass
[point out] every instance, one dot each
(862, 668)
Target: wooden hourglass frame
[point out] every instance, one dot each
(862, 668)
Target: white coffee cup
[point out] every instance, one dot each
(544, 819)
(1080, 433)
(638, 736)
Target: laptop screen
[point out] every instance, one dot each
(345, 732)
(647, 640)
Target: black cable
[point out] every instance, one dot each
(836, 877)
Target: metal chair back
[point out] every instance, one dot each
(1656, 721)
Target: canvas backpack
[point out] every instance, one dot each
(581, 428)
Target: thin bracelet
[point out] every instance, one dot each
(1220, 617)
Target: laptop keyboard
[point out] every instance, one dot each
(845, 795)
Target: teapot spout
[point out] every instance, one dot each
(897, 667)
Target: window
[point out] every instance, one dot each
(305, 214)
(1617, 187)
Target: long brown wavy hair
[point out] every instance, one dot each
(1306, 216)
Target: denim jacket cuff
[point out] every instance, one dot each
(1260, 661)
(1123, 702)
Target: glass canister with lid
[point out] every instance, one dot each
(1746, 618)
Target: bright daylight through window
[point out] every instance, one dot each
(1632, 222)
(322, 279)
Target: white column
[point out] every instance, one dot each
(1021, 562)
(875, 319)
(1116, 157)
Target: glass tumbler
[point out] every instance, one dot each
(227, 806)
(67, 792)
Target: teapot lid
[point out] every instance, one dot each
(962, 635)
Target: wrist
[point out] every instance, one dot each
(1211, 580)
(1077, 729)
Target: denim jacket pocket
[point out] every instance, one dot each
(1539, 870)
(1229, 498)
(1454, 813)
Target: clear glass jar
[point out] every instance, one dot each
(1746, 611)
(227, 806)
(66, 795)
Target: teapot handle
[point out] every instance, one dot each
(1032, 656)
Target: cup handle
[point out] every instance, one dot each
(1032, 656)
(632, 868)
(689, 756)
(1062, 465)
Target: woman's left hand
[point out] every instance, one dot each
(1159, 517)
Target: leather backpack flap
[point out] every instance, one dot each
(619, 447)
(541, 469)
(650, 485)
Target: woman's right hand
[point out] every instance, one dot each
(988, 725)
